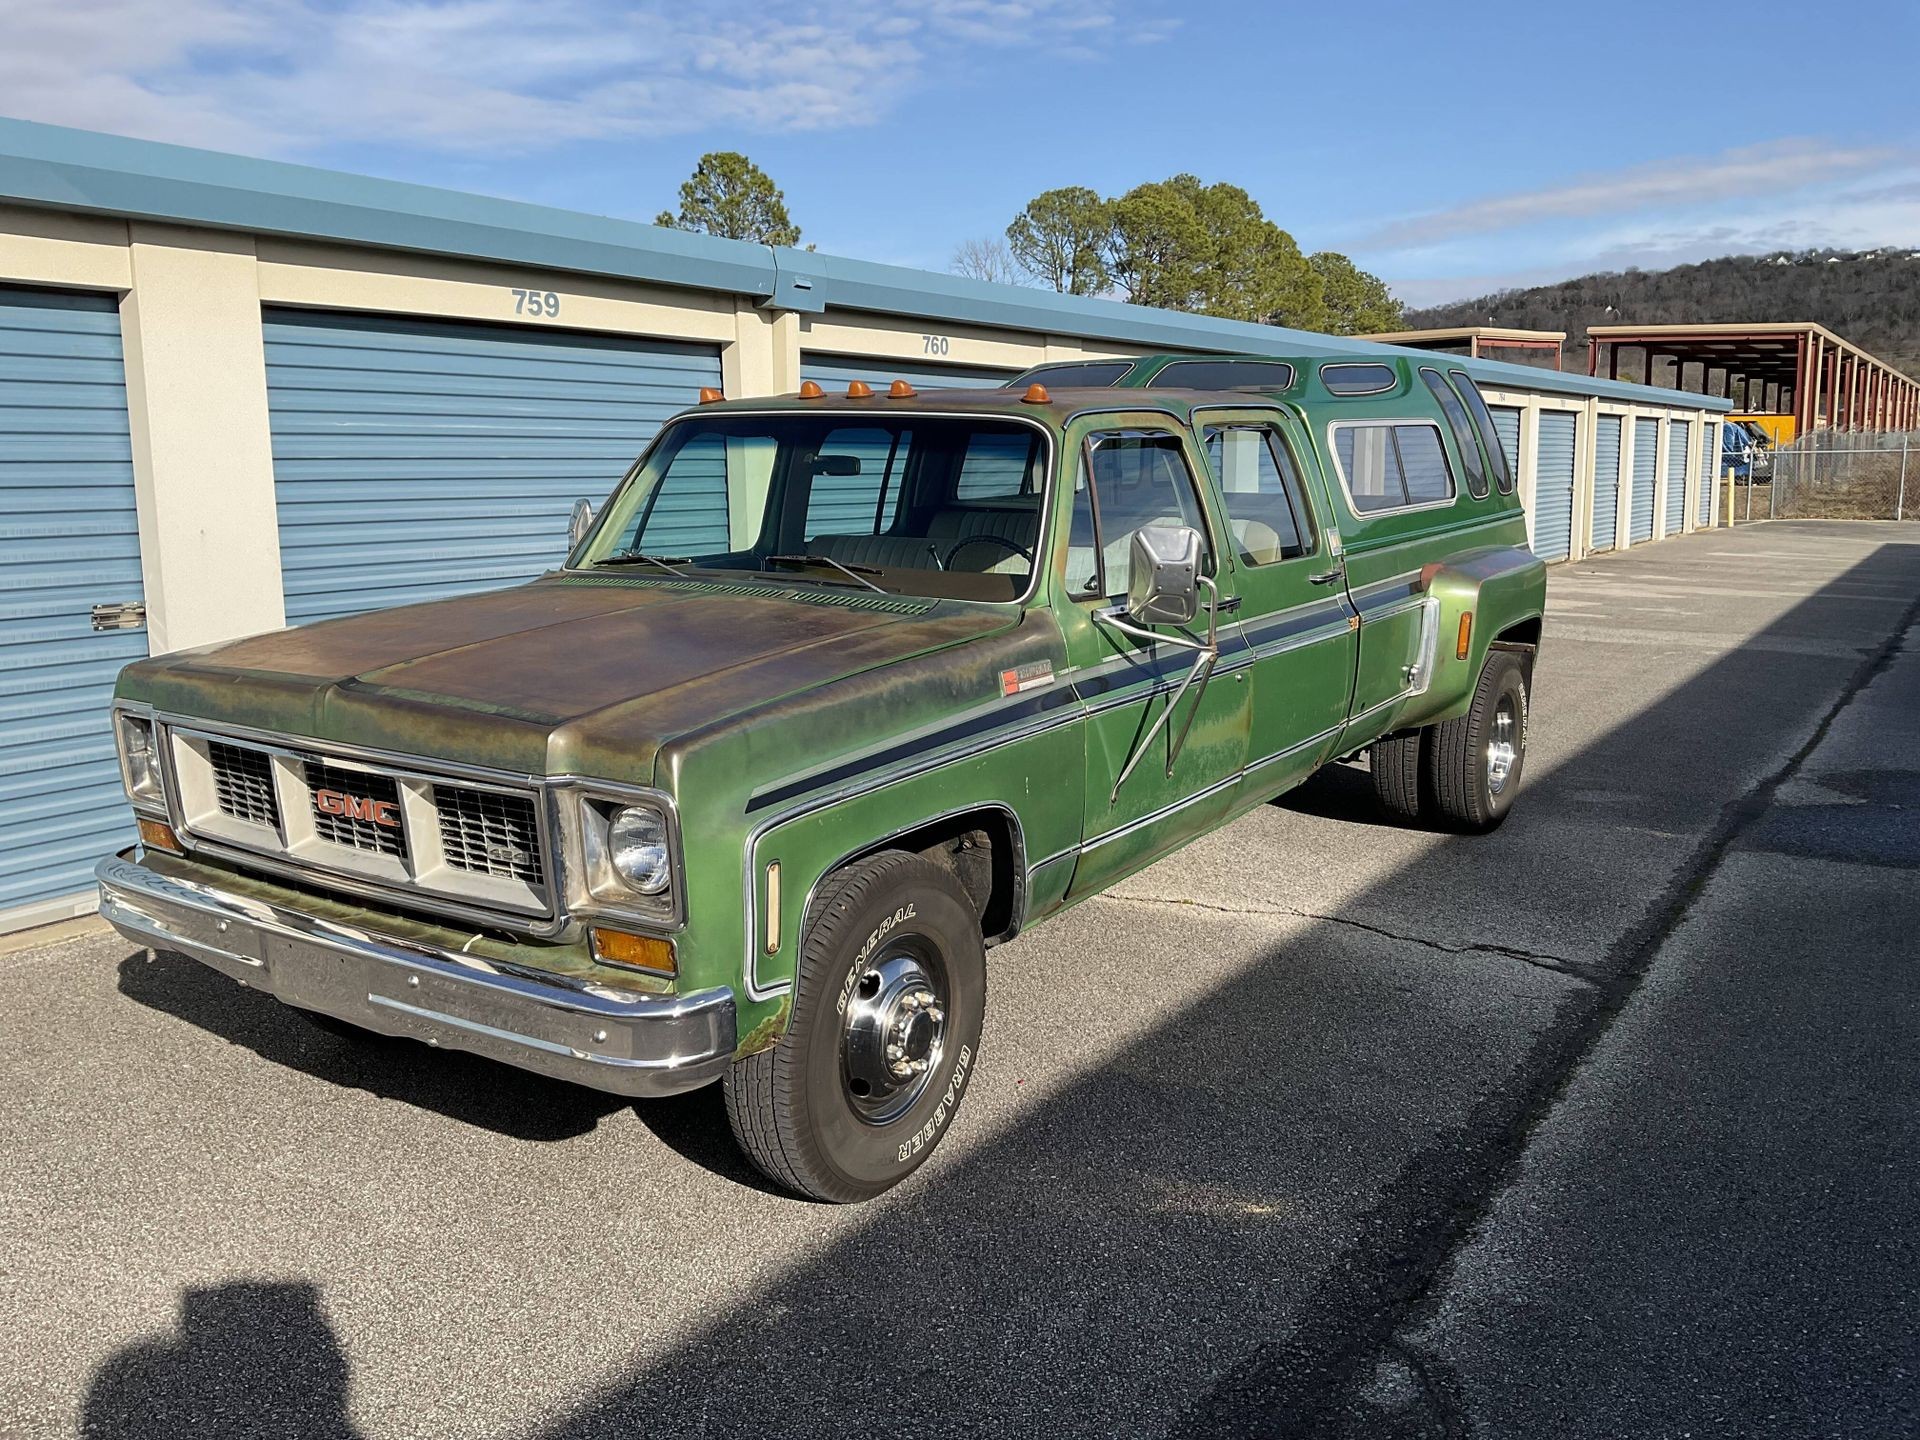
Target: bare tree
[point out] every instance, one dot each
(985, 258)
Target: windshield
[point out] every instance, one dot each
(908, 504)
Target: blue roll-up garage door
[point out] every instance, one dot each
(1709, 473)
(835, 372)
(1646, 452)
(69, 540)
(1553, 486)
(1606, 483)
(417, 459)
(1679, 457)
(1506, 420)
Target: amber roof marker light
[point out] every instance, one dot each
(1037, 395)
(711, 396)
(901, 390)
(859, 390)
(810, 390)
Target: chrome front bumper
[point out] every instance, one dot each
(595, 1035)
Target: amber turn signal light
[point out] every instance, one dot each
(709, 395)
(810, 390)
(638, 952)
(859, 390)
(900, 390)
(1466, 636)
(157, 835)
(1037, 395)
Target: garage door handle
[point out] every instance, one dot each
(122, 615)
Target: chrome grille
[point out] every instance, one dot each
(354, 827)
(488, 832)
(243, 783)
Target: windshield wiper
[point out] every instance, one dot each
(856, 573)
(634, 557)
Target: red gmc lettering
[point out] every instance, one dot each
(355, 807)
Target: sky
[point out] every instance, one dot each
(1454, 149)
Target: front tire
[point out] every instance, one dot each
(1475, 761)
(888, 1001)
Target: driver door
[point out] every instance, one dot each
(1130, 472)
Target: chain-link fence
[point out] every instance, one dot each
(1847, 476)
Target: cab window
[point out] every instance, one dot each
(1126, 480)
(1464, 438)
(1497, 456)
(856, 481)
(1260, 488)
(1392, 464)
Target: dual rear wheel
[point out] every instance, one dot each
(1462, 773)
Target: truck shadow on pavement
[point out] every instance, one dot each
(246, 1360)
(1217, 1228)
(465, 1088)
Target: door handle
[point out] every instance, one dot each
(1327, 577)
(1227, 606)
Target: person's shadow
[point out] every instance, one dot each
(248, 1359)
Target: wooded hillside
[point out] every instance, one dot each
(1870, 297)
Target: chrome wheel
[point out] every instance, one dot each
(894, 1034)
(1503, 745)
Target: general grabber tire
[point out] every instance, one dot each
(883, 1039)
(1475, 761)
(1394, 763)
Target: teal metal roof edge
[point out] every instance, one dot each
(55, 167)
(49, 165)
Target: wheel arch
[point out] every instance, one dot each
(997, 887)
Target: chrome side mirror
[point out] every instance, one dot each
(581, 522)
(1163, 582)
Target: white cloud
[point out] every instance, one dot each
(283, 76)
(1689, 182)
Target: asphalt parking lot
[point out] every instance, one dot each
(1601, 1125)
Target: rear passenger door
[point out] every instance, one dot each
(1295, 618)
(1396, 482)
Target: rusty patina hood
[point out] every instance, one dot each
(565, 675)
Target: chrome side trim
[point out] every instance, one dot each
(624, 1042)
(1294, 749)
(1121, 831)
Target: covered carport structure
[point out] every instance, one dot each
(1792, 368)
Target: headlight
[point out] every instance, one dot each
(637, 848)
(139, 761)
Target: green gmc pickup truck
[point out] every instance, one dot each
(835, 694)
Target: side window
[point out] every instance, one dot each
(856, 482)
(1260, 486)
(1126, 479)
(1393, 465)
(997, 467)
(1464, 436)
(1497, 456)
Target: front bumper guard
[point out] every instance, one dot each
(594, 1035)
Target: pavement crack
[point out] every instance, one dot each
(1559, 964)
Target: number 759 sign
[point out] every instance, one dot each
(536, 302)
